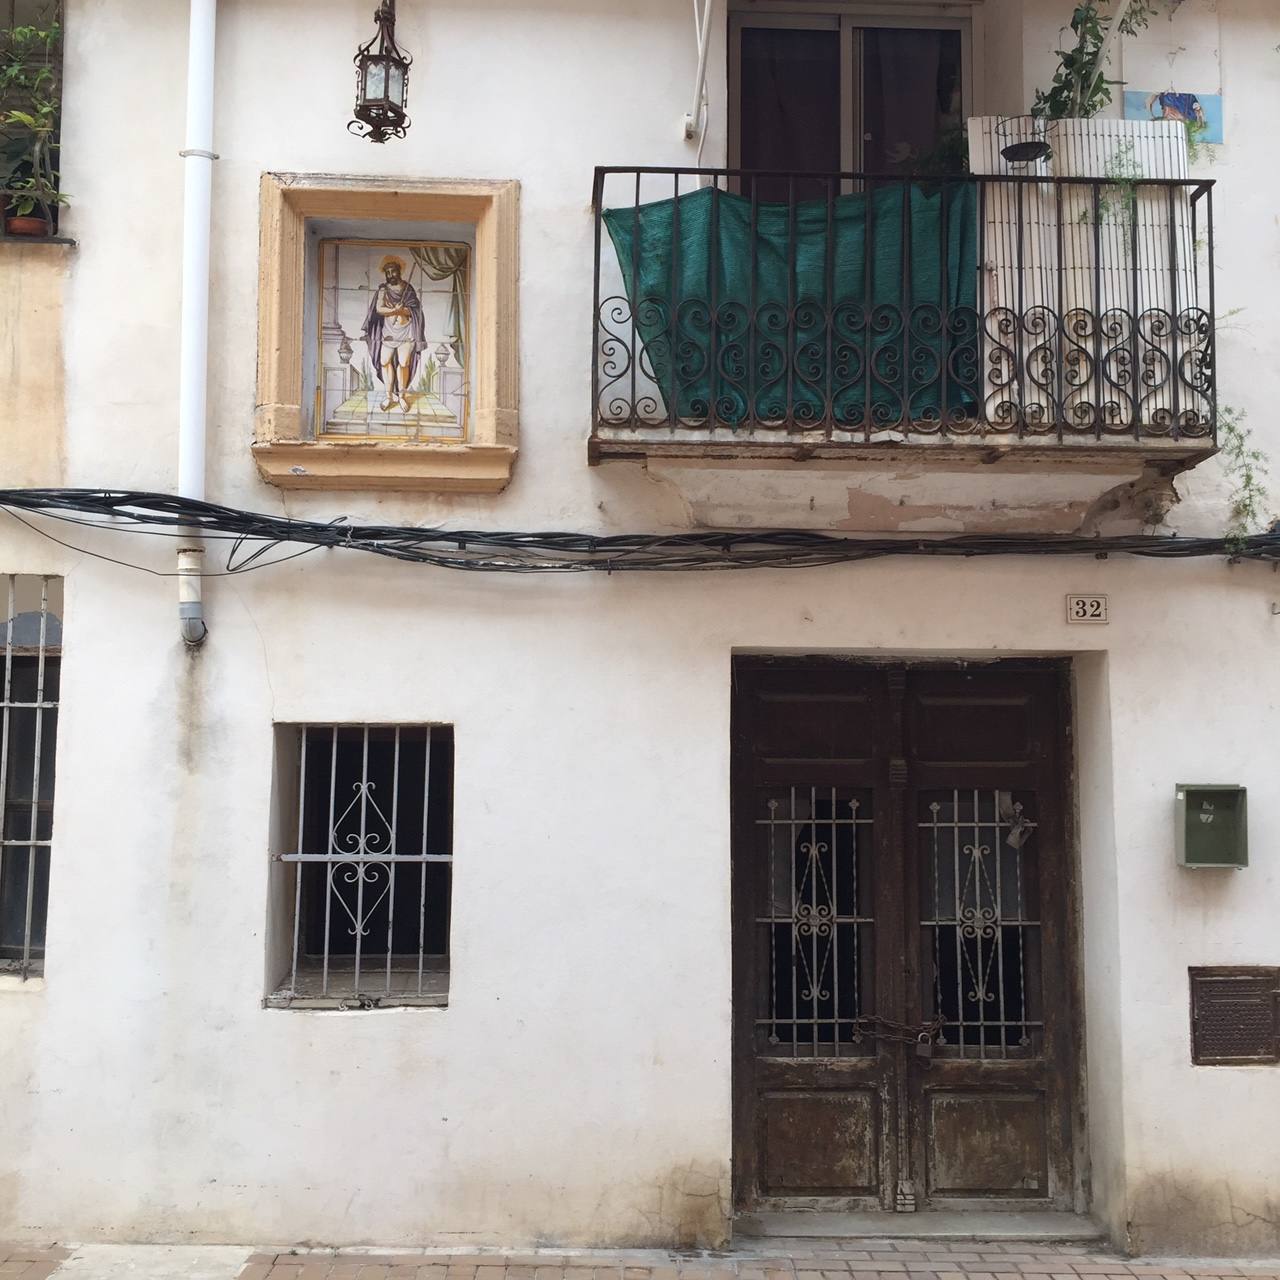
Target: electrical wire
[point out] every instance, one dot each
(252, 562)
(494, 551)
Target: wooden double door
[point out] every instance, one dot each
(904, 1030)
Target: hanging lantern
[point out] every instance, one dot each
(382, 82)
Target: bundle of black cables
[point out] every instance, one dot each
(551, 552)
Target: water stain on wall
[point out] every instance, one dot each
(1177, 1213)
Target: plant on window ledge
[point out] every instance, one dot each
(1080, 88)
(30, 104)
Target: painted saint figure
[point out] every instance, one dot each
(1185, 107)
(393, 330)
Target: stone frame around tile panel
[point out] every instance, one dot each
(285, 455)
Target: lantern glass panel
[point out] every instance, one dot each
(375, 80)
(395, 83)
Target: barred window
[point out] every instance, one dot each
(364, 869)
(32, 639)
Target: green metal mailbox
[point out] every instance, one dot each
(1212, 826)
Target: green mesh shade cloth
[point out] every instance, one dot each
(795, 331)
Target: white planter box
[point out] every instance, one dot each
(1088, 294)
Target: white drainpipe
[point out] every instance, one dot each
(193, 365)
(702, 29)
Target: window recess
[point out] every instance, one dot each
(31, 636)
(830, 92)
(361, 893)
(433, 409)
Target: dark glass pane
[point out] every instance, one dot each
(816, 940)
(789, 109)
(15, 881)
(378, 806)
(912, 106)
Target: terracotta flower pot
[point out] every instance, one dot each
(26, 226)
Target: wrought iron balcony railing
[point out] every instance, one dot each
(804, 309)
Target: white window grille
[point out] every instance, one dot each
(32, 640)
(367, 873)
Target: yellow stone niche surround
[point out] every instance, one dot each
(285, 453)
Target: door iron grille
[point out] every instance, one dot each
(819, 931)
(981, 916)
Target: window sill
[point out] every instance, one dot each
(13, 982)
(436, 468)
(401, 989)
(354, 1004)
(62, 240)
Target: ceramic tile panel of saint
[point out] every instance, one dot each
(393, 358)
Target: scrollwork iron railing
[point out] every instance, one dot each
(853, 308)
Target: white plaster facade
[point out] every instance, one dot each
(577, 1088)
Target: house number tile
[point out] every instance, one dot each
(1087, 609)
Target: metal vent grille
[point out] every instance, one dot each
(1234, 1015)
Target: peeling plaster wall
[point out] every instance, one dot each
(1099, 907)
(31, 362)
(1200, 1145)
(577, 1088)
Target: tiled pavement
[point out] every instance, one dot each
(762, 1260)
(30, 1264)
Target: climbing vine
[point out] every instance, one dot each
(1197, 148)
(1080, 87)
(1247, 468)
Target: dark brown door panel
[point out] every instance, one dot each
(903, 1014)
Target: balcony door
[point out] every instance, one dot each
(827, 92)
(905, 1029)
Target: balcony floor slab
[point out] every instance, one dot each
(1017, 487)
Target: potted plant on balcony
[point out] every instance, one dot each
(1080, 88)
(1065, 114)
(29, 114)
